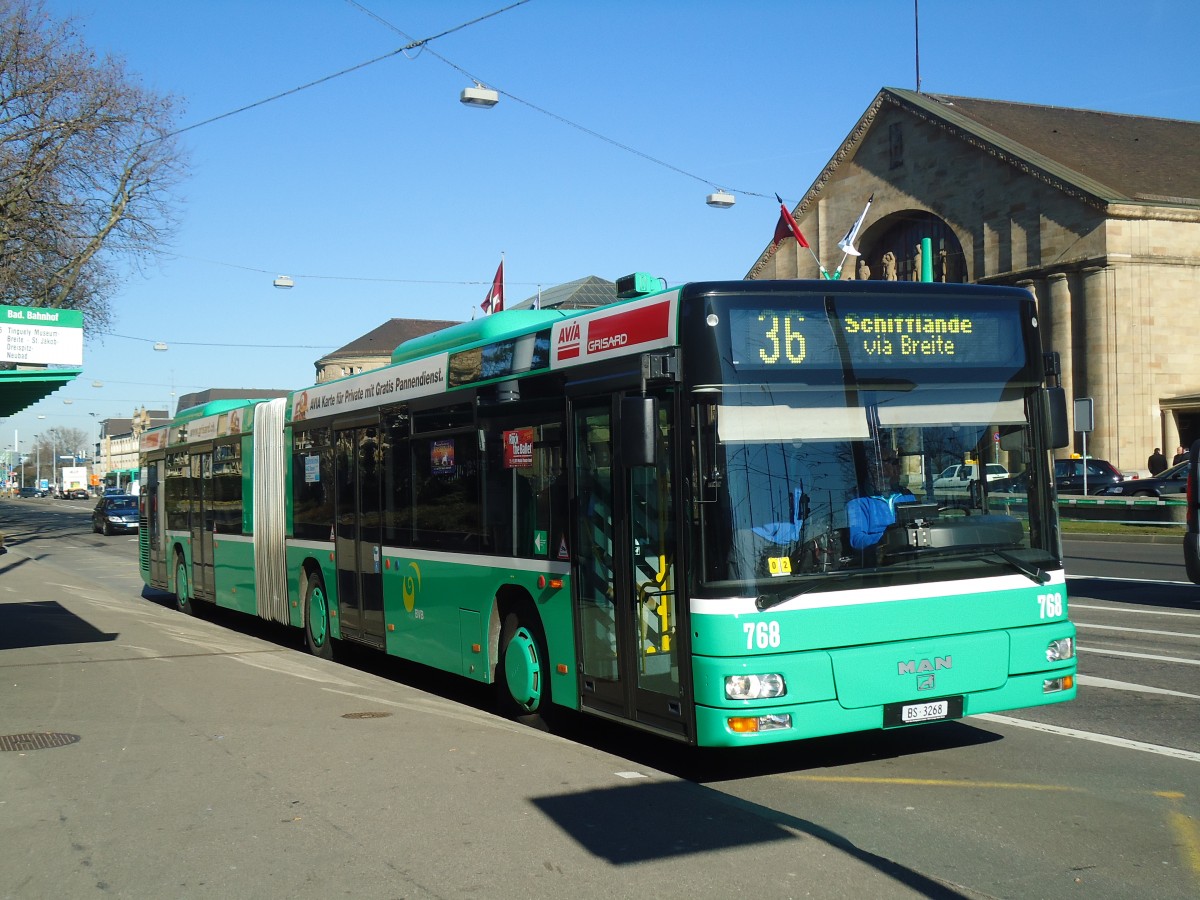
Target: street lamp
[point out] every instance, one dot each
(479, 97)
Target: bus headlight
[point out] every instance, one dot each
(754, 687)
(1061, 649)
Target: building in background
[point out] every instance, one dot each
(1098, 214)
(115, 464)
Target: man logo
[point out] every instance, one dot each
(919, 666)
(925, 684)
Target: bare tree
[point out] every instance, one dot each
(87, 166)
(48, 448)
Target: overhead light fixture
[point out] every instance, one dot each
(284, 281)
(721, 200)
(160, 345)
(479, 97)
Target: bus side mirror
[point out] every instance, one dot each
(639, 423)
(1060, 431)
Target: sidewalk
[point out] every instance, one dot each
(154, 755)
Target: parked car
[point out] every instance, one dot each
(961, 475)
(1172, 481)
(1068, 477)
(31, 492)
(116, 512)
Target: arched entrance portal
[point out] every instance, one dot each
(891, 249)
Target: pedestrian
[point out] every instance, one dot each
(1180, 456)
(1157, 462)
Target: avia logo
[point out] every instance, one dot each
(917, 666)
(568, 341)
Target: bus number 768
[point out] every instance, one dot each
(762, 635)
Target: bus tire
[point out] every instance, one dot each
(316, 618)
(182, 601)
(523, 670)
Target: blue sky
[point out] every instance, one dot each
(383, 196)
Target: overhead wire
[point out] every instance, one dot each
(412, 45)
(553, 115)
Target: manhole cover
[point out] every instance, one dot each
(39, 740)
(366, 715)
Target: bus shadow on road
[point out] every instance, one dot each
(45, 623)
(626, 826)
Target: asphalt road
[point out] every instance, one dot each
(1099, 797)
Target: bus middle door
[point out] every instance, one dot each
(357, 523)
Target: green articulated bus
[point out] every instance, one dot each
(709, 511)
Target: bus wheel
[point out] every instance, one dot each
(523, 669)
(182, 601)
(316, 619)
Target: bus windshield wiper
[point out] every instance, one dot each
(1033, 572)
(764, 602)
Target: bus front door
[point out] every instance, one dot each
(624, 567)
(357, 535)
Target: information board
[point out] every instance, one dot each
(46, 337)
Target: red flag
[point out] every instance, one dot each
(494, 302)
(787, 225)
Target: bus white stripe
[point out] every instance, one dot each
(554, 567)
(742, 606)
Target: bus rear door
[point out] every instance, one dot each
(357, 532)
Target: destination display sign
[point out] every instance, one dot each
(41, 337)
(873, 339)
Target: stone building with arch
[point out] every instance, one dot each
(1098, 214)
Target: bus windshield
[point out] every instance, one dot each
(865, 485)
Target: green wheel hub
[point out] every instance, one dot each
(523, 670)
(181, 585)
(318, 617)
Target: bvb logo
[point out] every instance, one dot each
(412, 585)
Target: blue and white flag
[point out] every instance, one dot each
(846, 244)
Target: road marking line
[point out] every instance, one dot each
(1140, 612)
(1096, 651)
(1093, 681)
(934, 782)
(1137, 630)
(1123, 743)
(1187, 833)
(1131, 580)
